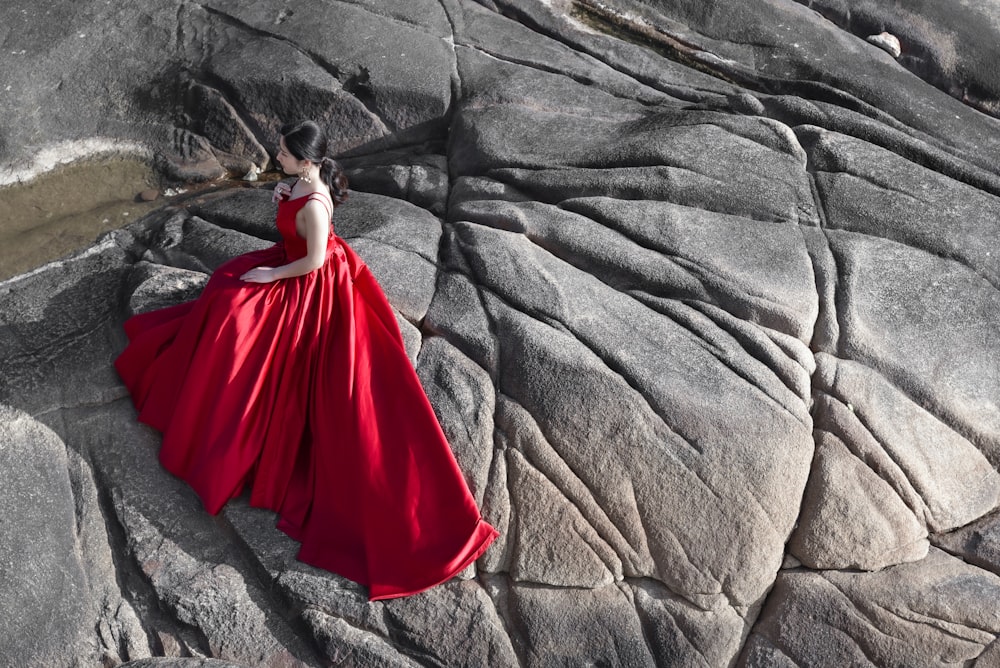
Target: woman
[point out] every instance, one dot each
(288, 375)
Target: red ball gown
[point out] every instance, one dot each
(302, 390)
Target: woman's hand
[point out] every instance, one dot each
(259, 275)
(281, 191)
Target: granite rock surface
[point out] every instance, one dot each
(705, 296)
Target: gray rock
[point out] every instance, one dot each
(44, 577)
(463, 397)
(174, 80)
(568, 627)
(394, 60)
(628, 48)
(977, 543)
(420, 179)
(58, 581)
(204, 590)
(506, 40)
(305, 85)
(922, 320)
(934, 612)
(681, 634)
(235, 145)
(704, 300)
(179, 663)
(159, 286)
(791, 50)
(875, 192)
(56, 329)
(990, 656)
(247, 210)
(852, 518)
(193, 584)
(953, 49)
(399, 242)
(890, 466)
(194, 244)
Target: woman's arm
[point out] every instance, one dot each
(317, 229)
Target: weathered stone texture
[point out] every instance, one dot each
(705, 297)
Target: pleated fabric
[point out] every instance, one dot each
(301, 390)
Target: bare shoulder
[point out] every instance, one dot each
(319, 201)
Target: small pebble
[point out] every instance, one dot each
(886, 41)
(149, 195)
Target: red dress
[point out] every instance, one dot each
(302, 389)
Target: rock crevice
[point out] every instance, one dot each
(704, 298)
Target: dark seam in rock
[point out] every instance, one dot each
(540, 109)
(575, 78)
(731, 132)
(836, 309)
(770, 338)
(927, 620)
(568, 497)
(498, 174)
(629, 595)
(266, 584)
(703, 570)
(409, 251)
(145, 601)
(490, 319)
(866, 617)
(686, 94)
(316, 59)
(647, 625)
(720, 354)
(244, 120)
(820, 93)
(517, 633)
(590, 509)
(319, 609)
(881, 186)
(640, 551)
(638, 580)
(816, 286)
(592, 546)
(964, 552)
(920, 513)
(866, 614)
(697, 271)
(751, 627)
(559, 251)
(914, 146)
(456, 77)
(117, 393)
(635, 387)
(406, 23)
(953, 256)
(641, 33)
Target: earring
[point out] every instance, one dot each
(304, 175)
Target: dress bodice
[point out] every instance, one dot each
(288, 209)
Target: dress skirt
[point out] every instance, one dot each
(301, 390)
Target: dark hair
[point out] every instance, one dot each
(306, 140)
